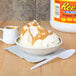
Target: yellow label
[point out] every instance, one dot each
(68, 0)
(65, 11)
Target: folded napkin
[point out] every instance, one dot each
(31, 58)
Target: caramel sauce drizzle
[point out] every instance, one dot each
(33, 23)
(30, 33)
(41, 35)
(23, 32)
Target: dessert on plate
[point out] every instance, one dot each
(36, 40)
(33, 35)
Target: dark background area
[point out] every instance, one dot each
(24, 9)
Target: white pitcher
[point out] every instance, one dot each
(10, 34)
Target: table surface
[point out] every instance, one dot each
(12, 65)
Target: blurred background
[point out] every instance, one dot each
(24, 9)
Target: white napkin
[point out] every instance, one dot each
(31, 58)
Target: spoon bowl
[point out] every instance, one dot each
(66, 54)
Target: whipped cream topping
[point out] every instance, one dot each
(33, 35)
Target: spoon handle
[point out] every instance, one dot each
(44, 62)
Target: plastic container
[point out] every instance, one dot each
(63, 15)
